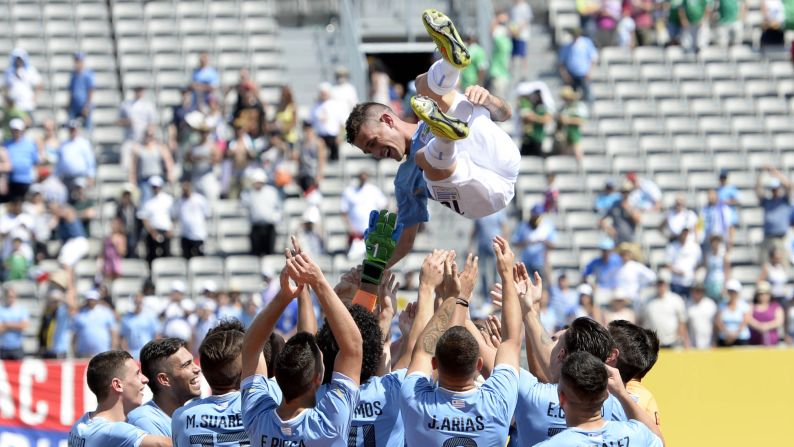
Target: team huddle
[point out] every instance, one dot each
(447, 381)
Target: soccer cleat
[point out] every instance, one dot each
(441, 124)
(446, 38)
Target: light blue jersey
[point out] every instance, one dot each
(325, 425)
(212, 421)
(629, 433)
(539, 415)
(139, 329)
(437, 417)
(151, 419)
(410, 188)
(376, 420)
(100, 432)
(92, 330)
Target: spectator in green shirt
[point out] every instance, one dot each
(534, 115)
(501, 53)
(475, 73)
(730, 15)
(687, 23)
(570, 120)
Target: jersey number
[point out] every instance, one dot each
(459, 441)
(453, 205)
(367, 436)
(209, 440)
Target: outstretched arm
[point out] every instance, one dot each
(453, 312)
(633, 411)
(509, 351)
(499, 109)
(307, 321)
(404, 245)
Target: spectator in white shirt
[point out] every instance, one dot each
(700, 316)
(309, 235)
(192, 211)
(136, 115)
(156, 217)
(358, 201)
(16, 223)
(633, 276)
(683, 257)
(679, 218)
(328, 117)
(343, 91)
(666, 314)
(646, 195)
(22, 81)
(263, 203)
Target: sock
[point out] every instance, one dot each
(441, 153)
(442, 77)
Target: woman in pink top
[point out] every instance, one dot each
(767, 317)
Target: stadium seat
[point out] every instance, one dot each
(174, 268)
(124, 288)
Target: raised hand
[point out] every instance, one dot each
(432, 273)
(381, 238)
(348, 284)
(505, 258)
(387, 294)
(406, 319)
(450, 287)
(303, 270)
(468, 277)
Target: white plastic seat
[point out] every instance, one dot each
(173, 267)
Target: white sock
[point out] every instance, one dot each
(440, 153)
(442, 77)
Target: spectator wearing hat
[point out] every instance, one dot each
(81, 91)
(645, 195)
(679, 218)
(570, 119)
(732, 321)
(53, 335)
(358, 201)
(149, 158)
(309, 235)
(777, 210)
(665, 313)
(328, 118)
(604, 269)
(621, 220)
(767, 317)
(76, 158)
(204, 81)
(343, 91)
(535, 237)
(620, 307)
(137, 114)
(249, 112)
(176, 295)
(264, 205)
(94, 326)
(484, 231)
(23, 154)
(84, 204)
(577, 61)
(157, 224)
(312, 156)
(192, 211)
(72, 234)
(21, 81)
(138, 327)
(717, 220)
(127, 212)
(14, 319)
(633, 275)
(587, 306)
(700, 313)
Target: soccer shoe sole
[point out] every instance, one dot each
(441, 124)
(446, 38)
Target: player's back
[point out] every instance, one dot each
(434, 416)
(625, 433)
(151, 419)
(213, 420)
(99, 432)
(376, 419)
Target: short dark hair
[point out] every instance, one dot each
(586, 334)
(371, 336)
(367, 111)
(297, 365)
(653, 341)
(457, 352)
(584, 376)
(227, 324)
(153, 357)
(102, 369)
(634, 346)
(221, 361)
(274, 346)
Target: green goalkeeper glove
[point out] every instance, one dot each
(381, 238)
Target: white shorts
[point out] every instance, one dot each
(73, 250)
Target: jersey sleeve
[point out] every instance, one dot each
(258, 396)
(644, 434)
(337, 406)
(148, 424)
(122, 434)
(502, 388)
(526, 380)
(411, 205)
(392, 383)
(413, 389)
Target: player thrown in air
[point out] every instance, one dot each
(457, 155)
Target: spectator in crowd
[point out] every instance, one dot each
(588, 11)
(728, 194)
(22, 82)
(309, 235)
(286, 120)
(683, 255)
(483, 232)
(137, 115)
(81, 91)
(678, 219)
(328, 117)
(501, 52)
(587, 306)
(176, 297)
(14, 319)
(535, 237)
(16, 223)
(548, 318)
(570, 119)
(177, 325)
(76, 158)
(520, 27)
(633, 276)
(138, 327)
(577, 61)
(236, 160)
(43, 221)
(665, 314)
(620, 308)
(204, 81)
(48, 142)
(17, 263)
(263, 203)
(127, 212)
(24, 156)
(192, 211)
(155, 216)
(717, 219)
(203, 157)
(477, 71)
(229, 304)
(718, 268)
(312, 156)
(114, 249)
(772, 25)
(563, 299)
(620, 222)
(179, 131)
(53, 189)
(730, 22)
(607, 198)
(775, 272)
(645, 195)
(343, 91)
(767, 317)
(72, 234)
(84, 205)
(250, 115)
(733, 319)
(551, 195)
(94, 326)
(204, 319)
(150, 159)
(700, 313)
(689, 23)
(11, 112)
(644, 24)
(379, 82)
(607, 22)
(534, 115)
(53, 332)
(358, 201)
(777, 209)
(604, 269)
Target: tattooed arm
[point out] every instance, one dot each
(451, 313)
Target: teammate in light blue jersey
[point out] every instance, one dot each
(456, 412)
(299, 419)
(582, 390)
(116, 380)
(215, 420)
(173, 378)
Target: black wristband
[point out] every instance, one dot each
(371, 272)
(462, 302)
